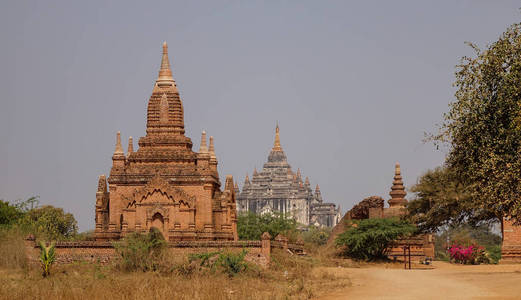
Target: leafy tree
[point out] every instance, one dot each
(483, 126)
(370, 239)
(442, 200)
(251, 226)
(11, 213)
(49, 222)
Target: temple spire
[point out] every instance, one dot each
(130, 145)
(119, 148)
(213, 157)
(276, 144)
(397, 190)
(203, 148)
(165, 78)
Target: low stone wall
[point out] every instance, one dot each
(104, 252)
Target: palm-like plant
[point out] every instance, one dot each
(47, 258)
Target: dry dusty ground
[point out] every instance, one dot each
(445, 281)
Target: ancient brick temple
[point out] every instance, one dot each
(278, 189)
(164, 184)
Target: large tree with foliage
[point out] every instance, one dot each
(442, 200)
(49, 222)
(483, 126)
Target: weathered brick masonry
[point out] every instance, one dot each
(103, 252)
(511, 249)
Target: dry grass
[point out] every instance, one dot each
(12, 250)
(87, 281)
(288, 277)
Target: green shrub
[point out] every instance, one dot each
(370, 239)
(225, 261)
(316, 235)
(232, 263)
(141, 252)
(47, 257)
(494, 253)
(251, 226)
(203, 258)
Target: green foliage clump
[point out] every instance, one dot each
(11, 213)
(494, 253)
(203, 258)
(316, 235)
(47, 257)
(141, 252)
(370, 239)
(49, 222)
(232, 263)
(228, 262)
(251, 226)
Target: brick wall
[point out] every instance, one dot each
(511, 249)
(104, 253)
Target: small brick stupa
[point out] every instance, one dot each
(164, 184)
(397, 202)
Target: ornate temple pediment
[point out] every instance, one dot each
(161, 186)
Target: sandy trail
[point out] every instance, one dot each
(446, 281)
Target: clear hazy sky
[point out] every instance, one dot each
(354, 86)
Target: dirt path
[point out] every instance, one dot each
(444, 282)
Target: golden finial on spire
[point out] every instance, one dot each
(276, 144)
(165, 78)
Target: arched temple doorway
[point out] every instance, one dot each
(158, 222)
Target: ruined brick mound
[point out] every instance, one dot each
(361, 210)
(358, 212)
